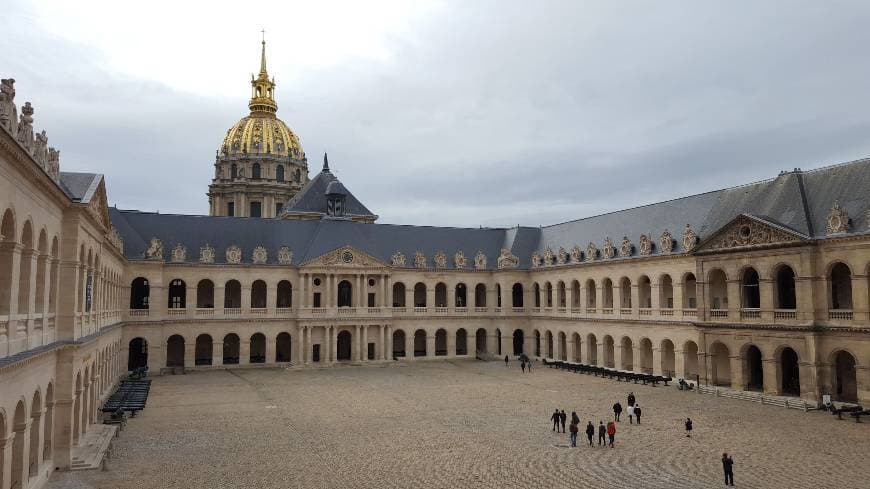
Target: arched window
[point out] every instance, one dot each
(461, 342)
(591, 294)
(517, 295)
(205, 294)
(644, 292)
(297, 176)
(690, 291)
(666, 292)
(440, 295)
(139, 291)
(234, 171)
(398, 295)
(785, 288)
(231, 349)
(283, 347)
(625, 293)
(420, 295)
(285, 295)
(279, 173)
(177, 294)
(232, 295)
(460, 292)
(841, 287)
(549, 295)
(398, 343)
(718, 290)
(345, 294)
(255, 171)
(480, 295)
(608, 294)
(258, 294)
(561, 299)
(440, 342)
(175, 351)
(419, 343)
(537, 290)
(750, 285)
(258, 348)
(203, 350)
(575, 295)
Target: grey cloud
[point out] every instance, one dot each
(497, 113)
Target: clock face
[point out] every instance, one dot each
(347, 257)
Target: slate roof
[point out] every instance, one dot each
(80, 187)
(312, 197)
(797, 200)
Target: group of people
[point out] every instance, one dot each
(634, 410)
(560, 418)
(525, 363)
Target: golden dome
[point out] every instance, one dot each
(262, 132)
(256, 134)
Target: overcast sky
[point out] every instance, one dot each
(459, 113)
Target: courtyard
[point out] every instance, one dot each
(459, 424)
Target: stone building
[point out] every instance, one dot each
(761, 287)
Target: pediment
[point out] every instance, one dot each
(344, 257)
(749, 232)
(98, 206)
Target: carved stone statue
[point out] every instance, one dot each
(25, 127)
(536, 259)
(562, 256)
(608, 250)
(398, 259)
(690, 239)
(234, 254)
(53, 164)
(576, 254)
(480, 261)
(838, 220)
(114, 237)
(666, 241)
(40, 149)
(8, 111)
(645, 245)
(155, 250)
(285, 256)
(179, 253)
(459, 260)
(206, 254)
(626, 247)
(506, 259)
(420, 260)
(259, 255)
(549, 257)
(440, 259)
(591, 251)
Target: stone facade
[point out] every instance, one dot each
(751, 305)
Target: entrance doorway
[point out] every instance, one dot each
(138, 354)
(343, 345)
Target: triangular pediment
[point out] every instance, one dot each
(98, 205)
(344, 257)
(749, 232)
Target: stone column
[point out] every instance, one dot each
(492, 342)
(734, 299)
(491, 296)
(409, 296)
(219, 297)
(635, 298)
(365, 342)
(409, 345)
(189, 352)
(657, 361)
(271, 295)
(860, 305)
(771, 379)
(271, 349)
(246, 298)
(217, 352)
(765, 292)
(357, 353)
(655, 297)
(451, 343)
(300, 345)
(430, 295)
(244, 349)
(430, 343)
(382, 343)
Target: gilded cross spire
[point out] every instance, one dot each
(262, 102)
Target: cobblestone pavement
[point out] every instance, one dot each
(459, 424)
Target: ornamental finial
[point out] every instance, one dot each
(325, 163)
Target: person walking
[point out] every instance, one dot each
(688, 427)
(611, 432)
(602, 432)
(637, 412)
(529, 366)
(555, 418)
(728, 468)
(575, 418)
(563, 418)
(590, 432)
(631, 399)
(574, 430)
(506, 361)
(631, 413)
(523, 365)
(617, 410)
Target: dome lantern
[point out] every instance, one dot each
(262, 102)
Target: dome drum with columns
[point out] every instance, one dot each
(260, 165)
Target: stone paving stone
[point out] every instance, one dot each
(460, 424)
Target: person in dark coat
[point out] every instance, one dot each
(631, 399)
(617, 410)
(573, 436)
(590, 432)
(602, 433)
(637, 412)
(688, 427)
(728, 468)
(574, 418)
(523, 365)
(555, 419)
(563, 418)
(529, 366)
(506, 361)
